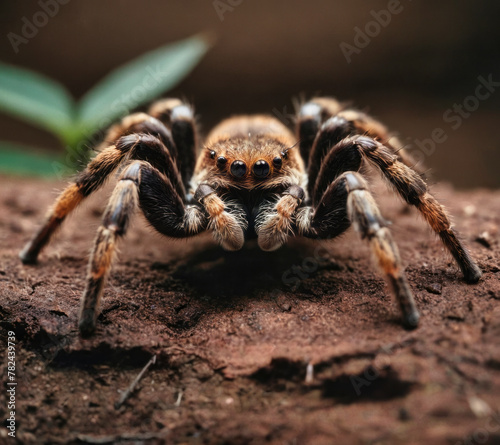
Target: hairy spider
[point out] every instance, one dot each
(252, 179)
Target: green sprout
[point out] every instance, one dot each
(47, 104)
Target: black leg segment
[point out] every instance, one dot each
(144, 185)
(347, 200)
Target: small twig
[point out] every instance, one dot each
(121, 437)
(126, 394)
(309, 374)
(179, 398)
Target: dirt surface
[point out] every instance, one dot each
(298, 346)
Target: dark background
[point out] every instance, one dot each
(427, 58)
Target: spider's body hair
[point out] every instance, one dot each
(252, 179)
(250, 139)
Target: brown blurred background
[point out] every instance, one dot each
(425, 60)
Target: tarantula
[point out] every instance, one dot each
(252, 179)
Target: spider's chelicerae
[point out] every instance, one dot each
(252, 179)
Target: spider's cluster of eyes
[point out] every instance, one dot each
(260, 169)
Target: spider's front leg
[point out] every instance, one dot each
(348, 201)
(144, 185)
(138, 136)
(351, 152)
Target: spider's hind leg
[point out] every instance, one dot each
(327, 110)
(310, 116)
(179, 117)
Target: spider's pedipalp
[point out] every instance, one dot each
(274, 222)
(226, 219)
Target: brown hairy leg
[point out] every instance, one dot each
(330, 157)
(124, 145)
(179, 117)
(114, 224)
(314, 113)
(413, 189)
(368, 222)
(348, 201)
(98, 170)
(140, 185)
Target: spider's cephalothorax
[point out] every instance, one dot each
(253, 179)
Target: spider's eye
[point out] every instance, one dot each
(212, 154)
(238, 169)
(221, 161)
(277, 162)
(261, 169)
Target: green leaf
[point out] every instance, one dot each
(139, 81)
(36, 99)
(23, 160)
